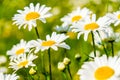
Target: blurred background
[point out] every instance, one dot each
(11, 35)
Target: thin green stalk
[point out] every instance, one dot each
(43, 66)
(103, 44)
(64, 75)
(29, 77)
(107, 5)
(36, 30)
(50, 70)
(68, 68)
(93, 43)
(112, 47)
(119, 5)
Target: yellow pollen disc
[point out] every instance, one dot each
(71, 35)
(76, 18)
(32, 15)
(23, 63)
(48, 43)
(118, 16)
(91, 26)
(104, 73)
(20, 51)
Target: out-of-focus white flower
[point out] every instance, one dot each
(114, 17)
(3, 59)
(3, 70)
(106, 36)
(76, 15)
(30, 14)
(61, 66)
(18, 49)
(55, 41)
(8, 76)
(90, 24)
(23, 61)
(102, 68)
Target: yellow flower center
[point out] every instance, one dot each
(104, 73)
(118, 16)
(76, 18)
(91, 26)
(23, 63)
(20, 51)
(71, 35)
(48, 43)
(32, 15)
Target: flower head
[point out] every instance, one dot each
(90, 24)
(114, 17)
(18, 49)
(23, 61)
(107, 36)
(76, 15)
(30, 14)
(8, 76)
(102, 68)
(54, 41)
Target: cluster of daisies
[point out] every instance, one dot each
(81, 21)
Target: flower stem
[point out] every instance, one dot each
(43, 66)
(112, 47)
(50, 71)
(93, 43)
(64, 75)
(107, 6)
(103, 44)
(36, 30)
(68, 68)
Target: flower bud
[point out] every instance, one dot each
(32, 71)
(61, 66)
(77, 56)
(66, 61)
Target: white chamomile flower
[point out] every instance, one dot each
(106, 36)
(8, 76)
(18, 49)
(76, 15)
(55, 41)
(114, 17)
(102, 68)
(23, 61)
(30, 14)
(90, 24)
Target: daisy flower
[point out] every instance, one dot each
(8, 76)
(114, 17)
(90, 24)
(18, 49)
(55, 41)
(106, 36)
(76, 15)
(23, 61)
(102, 68)
(30, 14)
